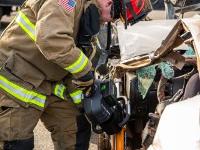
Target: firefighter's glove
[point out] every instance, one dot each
(85, 83)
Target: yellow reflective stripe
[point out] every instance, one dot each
(26, 25)
(77, 96)
(59, 90)
(78, 65)
(27, 96)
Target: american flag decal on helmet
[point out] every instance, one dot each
(67, 4)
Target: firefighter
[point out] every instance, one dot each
(38, 58)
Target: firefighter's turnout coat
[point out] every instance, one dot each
(38, 48)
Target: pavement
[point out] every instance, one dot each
(43, 139)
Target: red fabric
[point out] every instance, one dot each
(68, 5)
(136, 9)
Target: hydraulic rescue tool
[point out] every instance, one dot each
(106, 112)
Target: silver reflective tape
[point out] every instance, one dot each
(78, 66)
(27, 26)
(21, 93)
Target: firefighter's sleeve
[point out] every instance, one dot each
(54, 36)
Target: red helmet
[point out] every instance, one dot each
(131, 10)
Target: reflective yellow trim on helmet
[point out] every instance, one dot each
(78, 65)
(22, 94)
(26, 25)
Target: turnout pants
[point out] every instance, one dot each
(69, 129)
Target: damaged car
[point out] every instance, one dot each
(149, 68)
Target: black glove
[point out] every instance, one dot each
(85, 83)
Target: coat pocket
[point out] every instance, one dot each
(25, 71)
(6, 104)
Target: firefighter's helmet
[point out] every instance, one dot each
(130, 11)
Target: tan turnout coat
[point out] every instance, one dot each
(42, 61)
